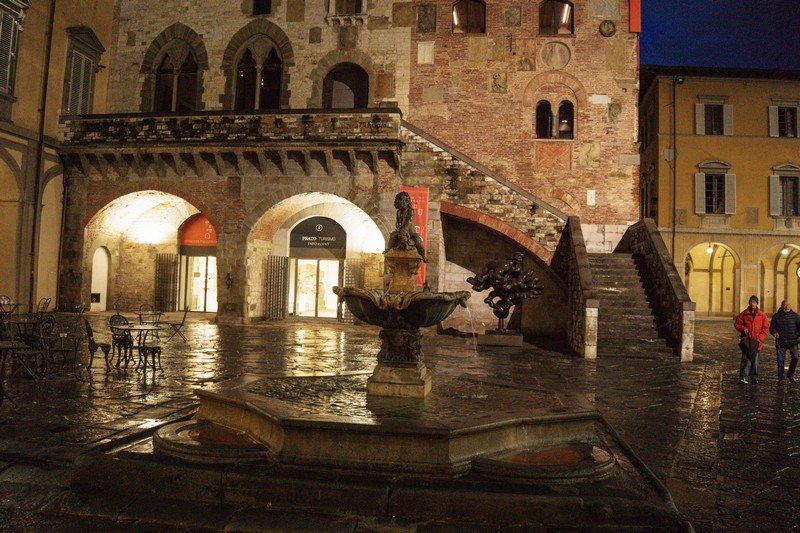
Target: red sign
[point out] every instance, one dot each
(419, 202)
(198, 231)
(635, 7)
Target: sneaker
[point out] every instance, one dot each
(743, 380)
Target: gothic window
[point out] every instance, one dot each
(176, 84)
(347, 7)
(346, 86)
(258, 80)
(469, 16)
(544, 120)
(556, 17)
(566, 120)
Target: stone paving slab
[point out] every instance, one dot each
(728, 452)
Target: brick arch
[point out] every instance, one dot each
(176, 35)
(259, 27)
(330, 60)
(536, 88)
(498, 226)
(101, 200)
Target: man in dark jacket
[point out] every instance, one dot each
(753, 326)
(785, 327)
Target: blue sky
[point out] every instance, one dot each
(721, 33)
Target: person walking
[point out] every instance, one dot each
(785, 327)
(753, 326)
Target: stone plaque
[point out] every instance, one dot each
(614, 111)
(315, 35)
(751, 215)
(526, 54)
(615, 55)
(496, 49)
(589, 154)
(426, 18)
(680, 216)
(296, 11)
(425, 52)
(555, 55)
(348, 36)
(512, 17)
(402, 15)
(432, 94)
(384, 85)
(604, 9)
(498, 82)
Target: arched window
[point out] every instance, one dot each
(347, 7)
(544, 120)
(346, 86)
(556, 17)
(566, 120)
(176, 86)
(258, 82)
(469, 16)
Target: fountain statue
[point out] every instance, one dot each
(401, 310)
(510, 286)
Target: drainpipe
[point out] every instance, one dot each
(40, 155)
(674, 164)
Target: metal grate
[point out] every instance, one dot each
(276, 291)
(353, 277)
(166, 293)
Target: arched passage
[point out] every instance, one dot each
(780, 276)
(271, 258)
(711, 271)
(140, 232)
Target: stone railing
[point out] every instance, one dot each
(379, 125)
(665, 289)
(571, 262)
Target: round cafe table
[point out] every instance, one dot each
(148, 354)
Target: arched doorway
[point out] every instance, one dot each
(712, 279)
(317, 248)
(780, 276)
(198, 265)
(346, 86)
(101, 266)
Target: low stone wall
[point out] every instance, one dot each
(571, 262)
(664, 286)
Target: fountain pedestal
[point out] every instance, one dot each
(400, 372)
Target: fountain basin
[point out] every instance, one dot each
(412, 309)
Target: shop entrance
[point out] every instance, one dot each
(198, 265)
(317, 252)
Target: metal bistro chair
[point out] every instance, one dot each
(105, 347)
(50, 336)
(149, 316)
(23, 357)
(176, 326)
(121, 341)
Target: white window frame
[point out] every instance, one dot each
(700, 114)
(715, 168)
(774, 130)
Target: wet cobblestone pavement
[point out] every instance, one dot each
(729, 453)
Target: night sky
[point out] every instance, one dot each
(721, 33)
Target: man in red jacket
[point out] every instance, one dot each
(753, 326)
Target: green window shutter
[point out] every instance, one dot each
(730, 194)
(699, 193)
(774, 195)
(699, 119)
(727, 119)
(773, 121)
(76, 66)
(6, 50)
(87, 79)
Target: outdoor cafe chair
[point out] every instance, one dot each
(52, 338)
(149, 316)
(7, 307)
(176, 326)
(121, 340)
(24, 358)
(105, 347)
(42, 306)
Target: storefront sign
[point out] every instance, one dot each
(198, 237)
(318, 238)
(419, 201)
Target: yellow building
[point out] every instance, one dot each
(51, 56)
(720, 174)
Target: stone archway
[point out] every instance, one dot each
(712, 275)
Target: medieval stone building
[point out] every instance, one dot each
(252, 150)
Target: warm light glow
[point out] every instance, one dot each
(566, 14)
(710, 248)
(785, 250)
(455, 17)
(151, 232)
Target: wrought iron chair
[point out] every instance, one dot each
(176, 326)
(105, 347)
(148, 315)
(121, 341)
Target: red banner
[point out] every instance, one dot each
(419, 201)
(635, 7)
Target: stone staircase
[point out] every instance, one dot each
(626, 325)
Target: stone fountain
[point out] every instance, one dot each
(395, 444)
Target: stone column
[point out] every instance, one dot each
(72, 254)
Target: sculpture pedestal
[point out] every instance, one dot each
(401, 267)
(399, 381)
(498, 338)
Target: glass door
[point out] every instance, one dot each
(312, 287)
(200, 283)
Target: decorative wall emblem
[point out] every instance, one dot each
(555, 55)
(607, 28)
(499, 83)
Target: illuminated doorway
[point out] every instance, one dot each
(101, 261)
(317, 251)
(198, 265)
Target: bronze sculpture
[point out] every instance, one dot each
(509, 283)
(405, 236)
